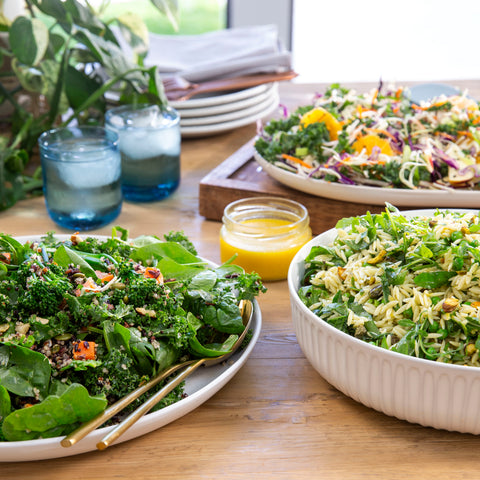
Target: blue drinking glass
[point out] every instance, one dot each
(81, 169)
(149, 142)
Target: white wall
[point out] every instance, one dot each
(363, 40)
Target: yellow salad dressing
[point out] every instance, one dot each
(266, 243)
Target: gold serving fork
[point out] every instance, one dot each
(246, 308)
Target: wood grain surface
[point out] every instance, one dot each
(277, 418)
(240, 176)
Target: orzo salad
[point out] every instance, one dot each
(379, 139)
(407, 284)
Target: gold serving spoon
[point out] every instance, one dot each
(246, 308)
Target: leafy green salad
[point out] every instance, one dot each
(85, 321)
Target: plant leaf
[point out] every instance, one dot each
(28, 40)
(79, 87)
(170, 9)
(135, 31)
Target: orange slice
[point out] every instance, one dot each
(319, 114)
(368, 142)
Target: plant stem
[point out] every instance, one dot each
(11, 98)
(98, 93)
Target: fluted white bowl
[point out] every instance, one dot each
(420, 391)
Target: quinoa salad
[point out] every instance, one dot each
(407, 284)
(86, 320)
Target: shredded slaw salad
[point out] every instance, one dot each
(379, 139)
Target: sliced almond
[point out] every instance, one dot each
(456, 177)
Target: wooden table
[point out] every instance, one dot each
(277, 418)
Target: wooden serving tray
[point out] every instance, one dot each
(240, 176)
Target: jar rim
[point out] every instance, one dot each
(236, 212)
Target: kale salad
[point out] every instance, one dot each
(84, 321)
(379, 139)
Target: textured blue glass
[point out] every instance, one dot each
(81, 170)
(149, 142)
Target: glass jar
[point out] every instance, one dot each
(265, 233)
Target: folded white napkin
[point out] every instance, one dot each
(220, 54)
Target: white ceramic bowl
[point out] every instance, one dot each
(420, 391)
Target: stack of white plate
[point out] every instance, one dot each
(216, 113)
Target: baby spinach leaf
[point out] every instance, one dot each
(406, 345)
(228, 270)
(425, 252)
(344, 223)
(391, 276)
(147, 359)
(212, 349)
(165, 355)
(23, 371)
(54, 416)
(173, 270)
(5, 403)
(319, 250)
(171, 250)
(432, 280)
(65, 256)
(224, 316)
(17, 251)
(204, 280)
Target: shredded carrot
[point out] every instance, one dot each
(427, 107)
(446, 136)
(383, 132)
(152, 272)
(465, 133)
(296, 160)
(5, 257)
(84, 350)
(475, 304)
(90, 286)
(361, 110)
(398, 93)
(375, 95)
(104, 277)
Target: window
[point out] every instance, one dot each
(195, 16)
(418, 40)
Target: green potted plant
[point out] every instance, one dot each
(58, 60)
